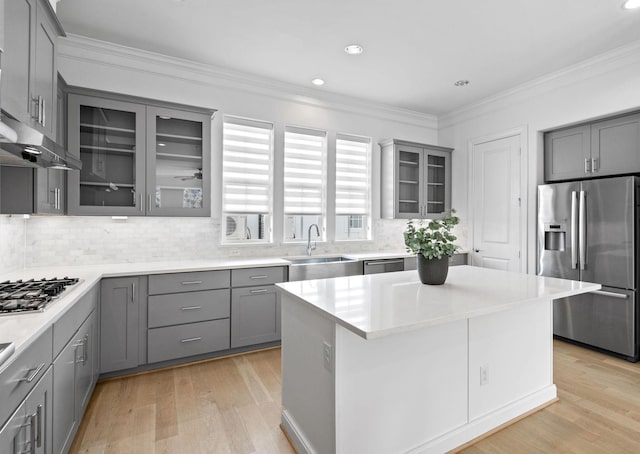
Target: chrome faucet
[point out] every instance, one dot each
(309, 247)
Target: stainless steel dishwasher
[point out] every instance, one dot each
(383, 266)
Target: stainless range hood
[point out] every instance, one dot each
(32, 148)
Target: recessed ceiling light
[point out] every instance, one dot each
(631, 4)
(317, 82)
(354, 49)
(461, 83)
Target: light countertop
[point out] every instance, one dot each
(382, 304)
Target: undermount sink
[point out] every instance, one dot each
(305, 268)
(312, 260)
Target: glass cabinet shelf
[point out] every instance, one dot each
(139, 157)
(416, 180)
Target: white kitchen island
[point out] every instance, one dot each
(384, 364)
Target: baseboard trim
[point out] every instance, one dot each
(295, 437)
(488, 424)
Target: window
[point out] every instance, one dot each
(353, 206)
(247, 180)
(305, 178)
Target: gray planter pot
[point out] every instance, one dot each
(433, 271)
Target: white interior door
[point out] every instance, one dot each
(496, 203)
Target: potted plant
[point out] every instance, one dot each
(433, 245)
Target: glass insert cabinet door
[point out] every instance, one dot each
(108, 136)
(178, 167)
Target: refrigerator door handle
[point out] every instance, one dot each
(621, 296)
(574, 230)
(582, 230)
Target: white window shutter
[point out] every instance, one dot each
(304, 171)
(247, 166)
(352, 175)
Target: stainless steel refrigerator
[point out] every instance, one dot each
(588, 231)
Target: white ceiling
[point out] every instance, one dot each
(414, 49)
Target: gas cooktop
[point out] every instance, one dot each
(32, 295)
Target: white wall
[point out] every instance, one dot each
(99, 65)
(599, 87)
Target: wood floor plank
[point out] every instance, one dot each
(232, 406)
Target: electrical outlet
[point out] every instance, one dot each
(484, 375)
(327, 356)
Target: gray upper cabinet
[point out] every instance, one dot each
(29, 76)
(567, 153)
(615, 146)
(107, 136)
(119, 323)
(608, 147)
(416, 180)
(137, 158)
(178, 177)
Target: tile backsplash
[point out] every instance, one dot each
(73, 240)
(12, 242)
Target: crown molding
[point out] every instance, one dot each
(586, 69)
(89, 50)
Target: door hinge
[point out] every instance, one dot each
(519, 254)
(519, 202)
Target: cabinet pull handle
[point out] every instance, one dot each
(141, 206)
(38, 415)
(594, 164)
(85, 349)
(384, 262)
(262, 290)
(149, 202)
(191, 282)
(190, 308)
(192, 339)
(36, 102)
(587, 165)
(40, 106)
(133, 292)
(33, 373)
(44, 112)
(261, 276)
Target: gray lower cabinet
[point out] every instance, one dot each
(255, 306)
(13, 435)
(39, 414)
(181, 341)
(255, 315)
(75, 338)
(119, 323)
(29, 428)
(188, 314)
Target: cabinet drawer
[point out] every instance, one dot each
(257, 276)
(191, 339)
(23, 373)
(177, 308)
(188, 282)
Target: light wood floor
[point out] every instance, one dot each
(232, 405)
